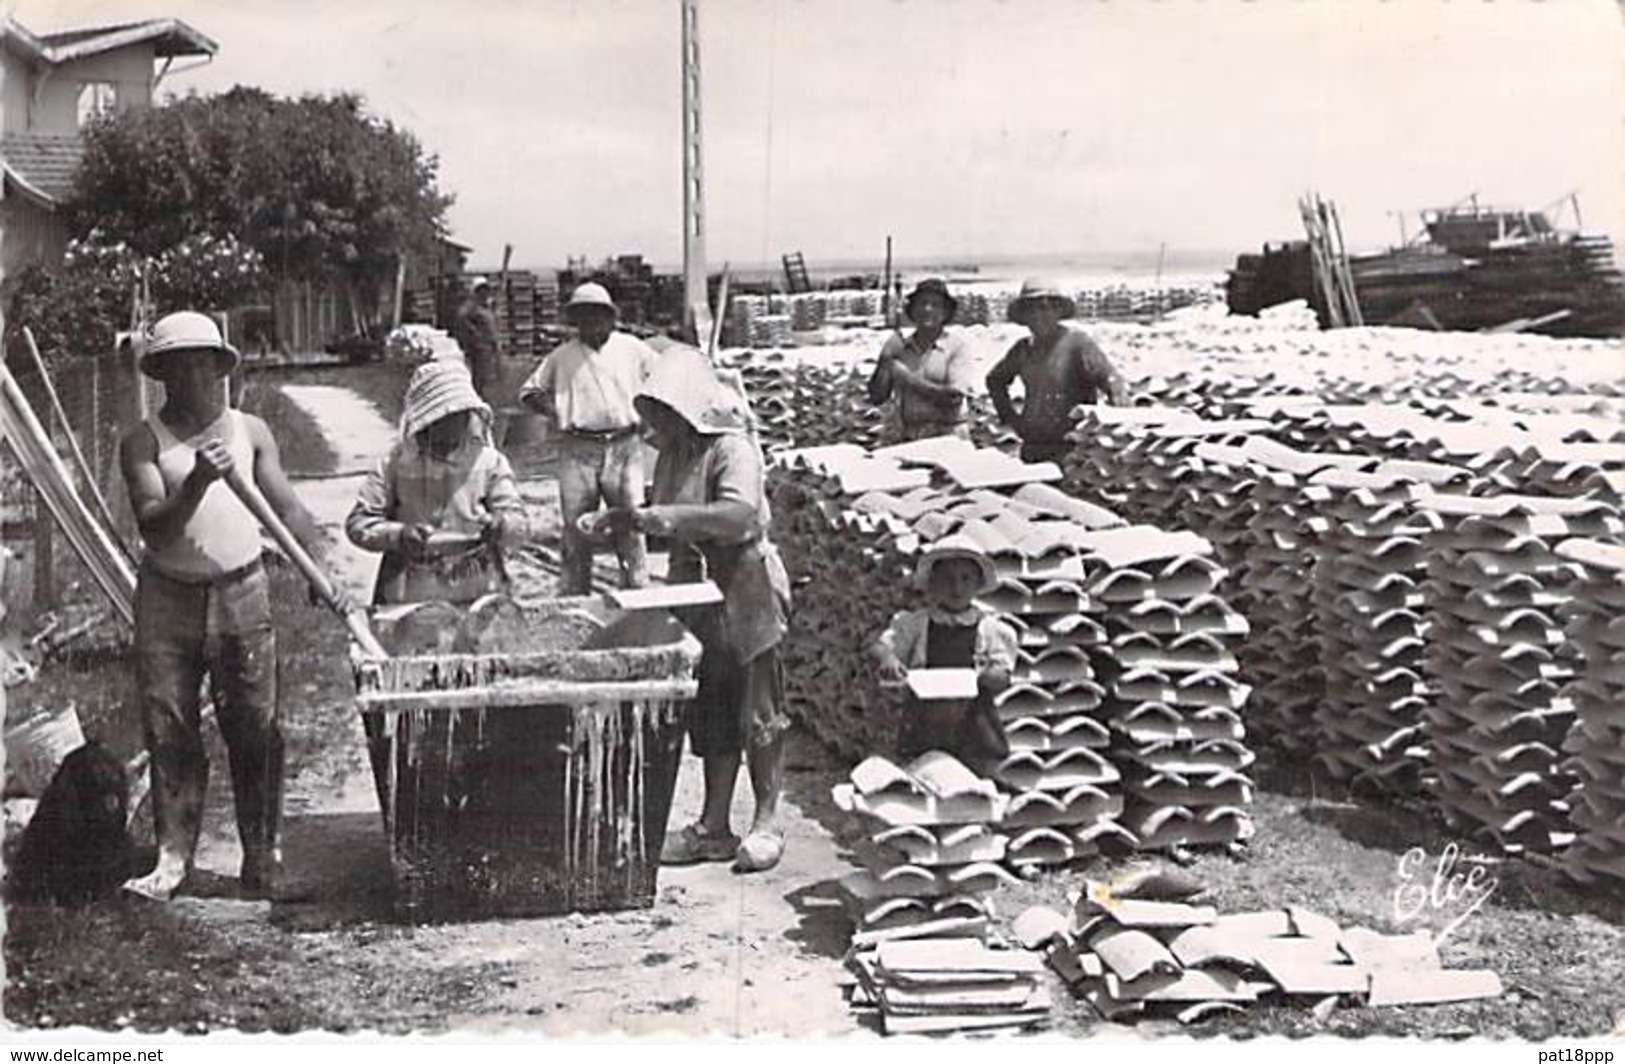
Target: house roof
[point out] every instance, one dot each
(41, 166)
(170, 38)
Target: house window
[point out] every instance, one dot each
(96, 98)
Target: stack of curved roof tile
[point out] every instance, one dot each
(1369, 618)
(1145, 462)
(1498, 653)
(1172, 695)
(920, 905)
(1568, 470)
(802, 405)
(1595, 746)
(848, 553)
(1084, 595)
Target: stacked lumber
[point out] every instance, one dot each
(1130, 952)
(545, 301)
(516, 315)
(1369, 619)
(1595, 621)
(1498, 653)
(920, 905)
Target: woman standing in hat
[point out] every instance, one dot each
(202, 601)
(584, 387)
(442, 504)
(710, 498)
(1059, 369)
(929, 374)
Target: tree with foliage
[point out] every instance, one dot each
(320, 189)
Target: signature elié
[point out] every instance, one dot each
(1426, 889)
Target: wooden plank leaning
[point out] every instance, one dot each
(109, 566)
(93, 488)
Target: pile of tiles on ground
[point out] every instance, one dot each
(1595, 621)
(801, 405)
(1088, 598)
(1369, 620)
(1499, 656)
(920, 952)
(1130, 953)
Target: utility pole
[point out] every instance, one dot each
(696, 298)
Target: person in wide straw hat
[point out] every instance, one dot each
(709, 497)
(584, 388)
(442, 505)
(929, 375)
(951, 632)
(202, 601)
(1059, 368)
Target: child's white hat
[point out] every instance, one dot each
(436, 390)
(956, 546)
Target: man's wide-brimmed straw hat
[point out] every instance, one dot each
(684, 379)
(932, 286)
(590, 295)
(1035, 290)
(949, 548)
(437, 390)
(185, 330)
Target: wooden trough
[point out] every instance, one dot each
(525, 754)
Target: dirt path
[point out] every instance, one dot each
(718, 952)
(358, 435)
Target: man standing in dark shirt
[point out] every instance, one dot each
(1059, 369)
(475, 331)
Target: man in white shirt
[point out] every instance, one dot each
(584, 387)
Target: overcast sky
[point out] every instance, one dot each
(963, 128)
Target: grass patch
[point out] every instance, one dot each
(305, 452)
(384, 383)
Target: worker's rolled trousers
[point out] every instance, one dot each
(600, 469)
(221, 631)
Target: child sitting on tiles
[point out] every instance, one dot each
(952, 632)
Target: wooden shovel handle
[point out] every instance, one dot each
(257, 505)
